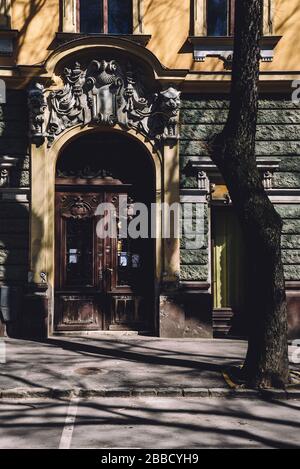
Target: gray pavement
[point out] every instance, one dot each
(93, 363)
(77, 371)
(115, 363)
(159, 423)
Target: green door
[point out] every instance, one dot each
(228, 262)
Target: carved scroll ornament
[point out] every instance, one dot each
(78, 206)
(106, 93)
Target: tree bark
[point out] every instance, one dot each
(233, 151)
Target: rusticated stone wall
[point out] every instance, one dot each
(277, 136)
(194, 261)
(14, 199)
(14, 241)
(291, 240)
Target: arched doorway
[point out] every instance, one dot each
(102, 282)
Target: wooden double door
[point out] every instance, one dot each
(102, 282)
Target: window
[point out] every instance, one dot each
(5, 14)
(106, 16)
(102, 16)
(214, 30)
(220, 17)
(214, 18)
(119, 17)
(8, 35)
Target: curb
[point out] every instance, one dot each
(35, 393)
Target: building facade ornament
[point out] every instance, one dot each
(78, 206)
(203, 181)
(105, 92)
(37, 106)
(86, 173)
(6, 165)
(268, 178)
(4, 177)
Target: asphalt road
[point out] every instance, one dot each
(161, 423)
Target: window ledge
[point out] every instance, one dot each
(203, 168)
(63, 38)
(7, 41)
(222, 47)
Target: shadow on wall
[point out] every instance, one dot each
(23, 309)
(15, 310)
(37, 22)
(14, 229)
(14, 216)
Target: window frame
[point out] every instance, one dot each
(71, 20)
(200, 18)
(268, 18)
(5, 14)
(230, 17)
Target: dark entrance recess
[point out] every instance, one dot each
(102, 284)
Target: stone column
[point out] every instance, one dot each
(171, 196)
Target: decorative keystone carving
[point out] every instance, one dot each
(37, 107)
(106, 92)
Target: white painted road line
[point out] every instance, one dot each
(67, 434)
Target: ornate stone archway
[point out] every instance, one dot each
(92, 92)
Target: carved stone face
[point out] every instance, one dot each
(170, 100)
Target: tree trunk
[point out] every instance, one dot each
(233, 151)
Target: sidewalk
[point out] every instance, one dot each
(121, 366)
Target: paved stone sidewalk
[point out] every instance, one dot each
(147, 422)
(117, 366)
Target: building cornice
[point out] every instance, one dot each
(189, 81)
(62, 38)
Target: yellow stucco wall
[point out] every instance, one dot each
(168, 21)
(37, 22)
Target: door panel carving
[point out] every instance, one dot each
(78, 313)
